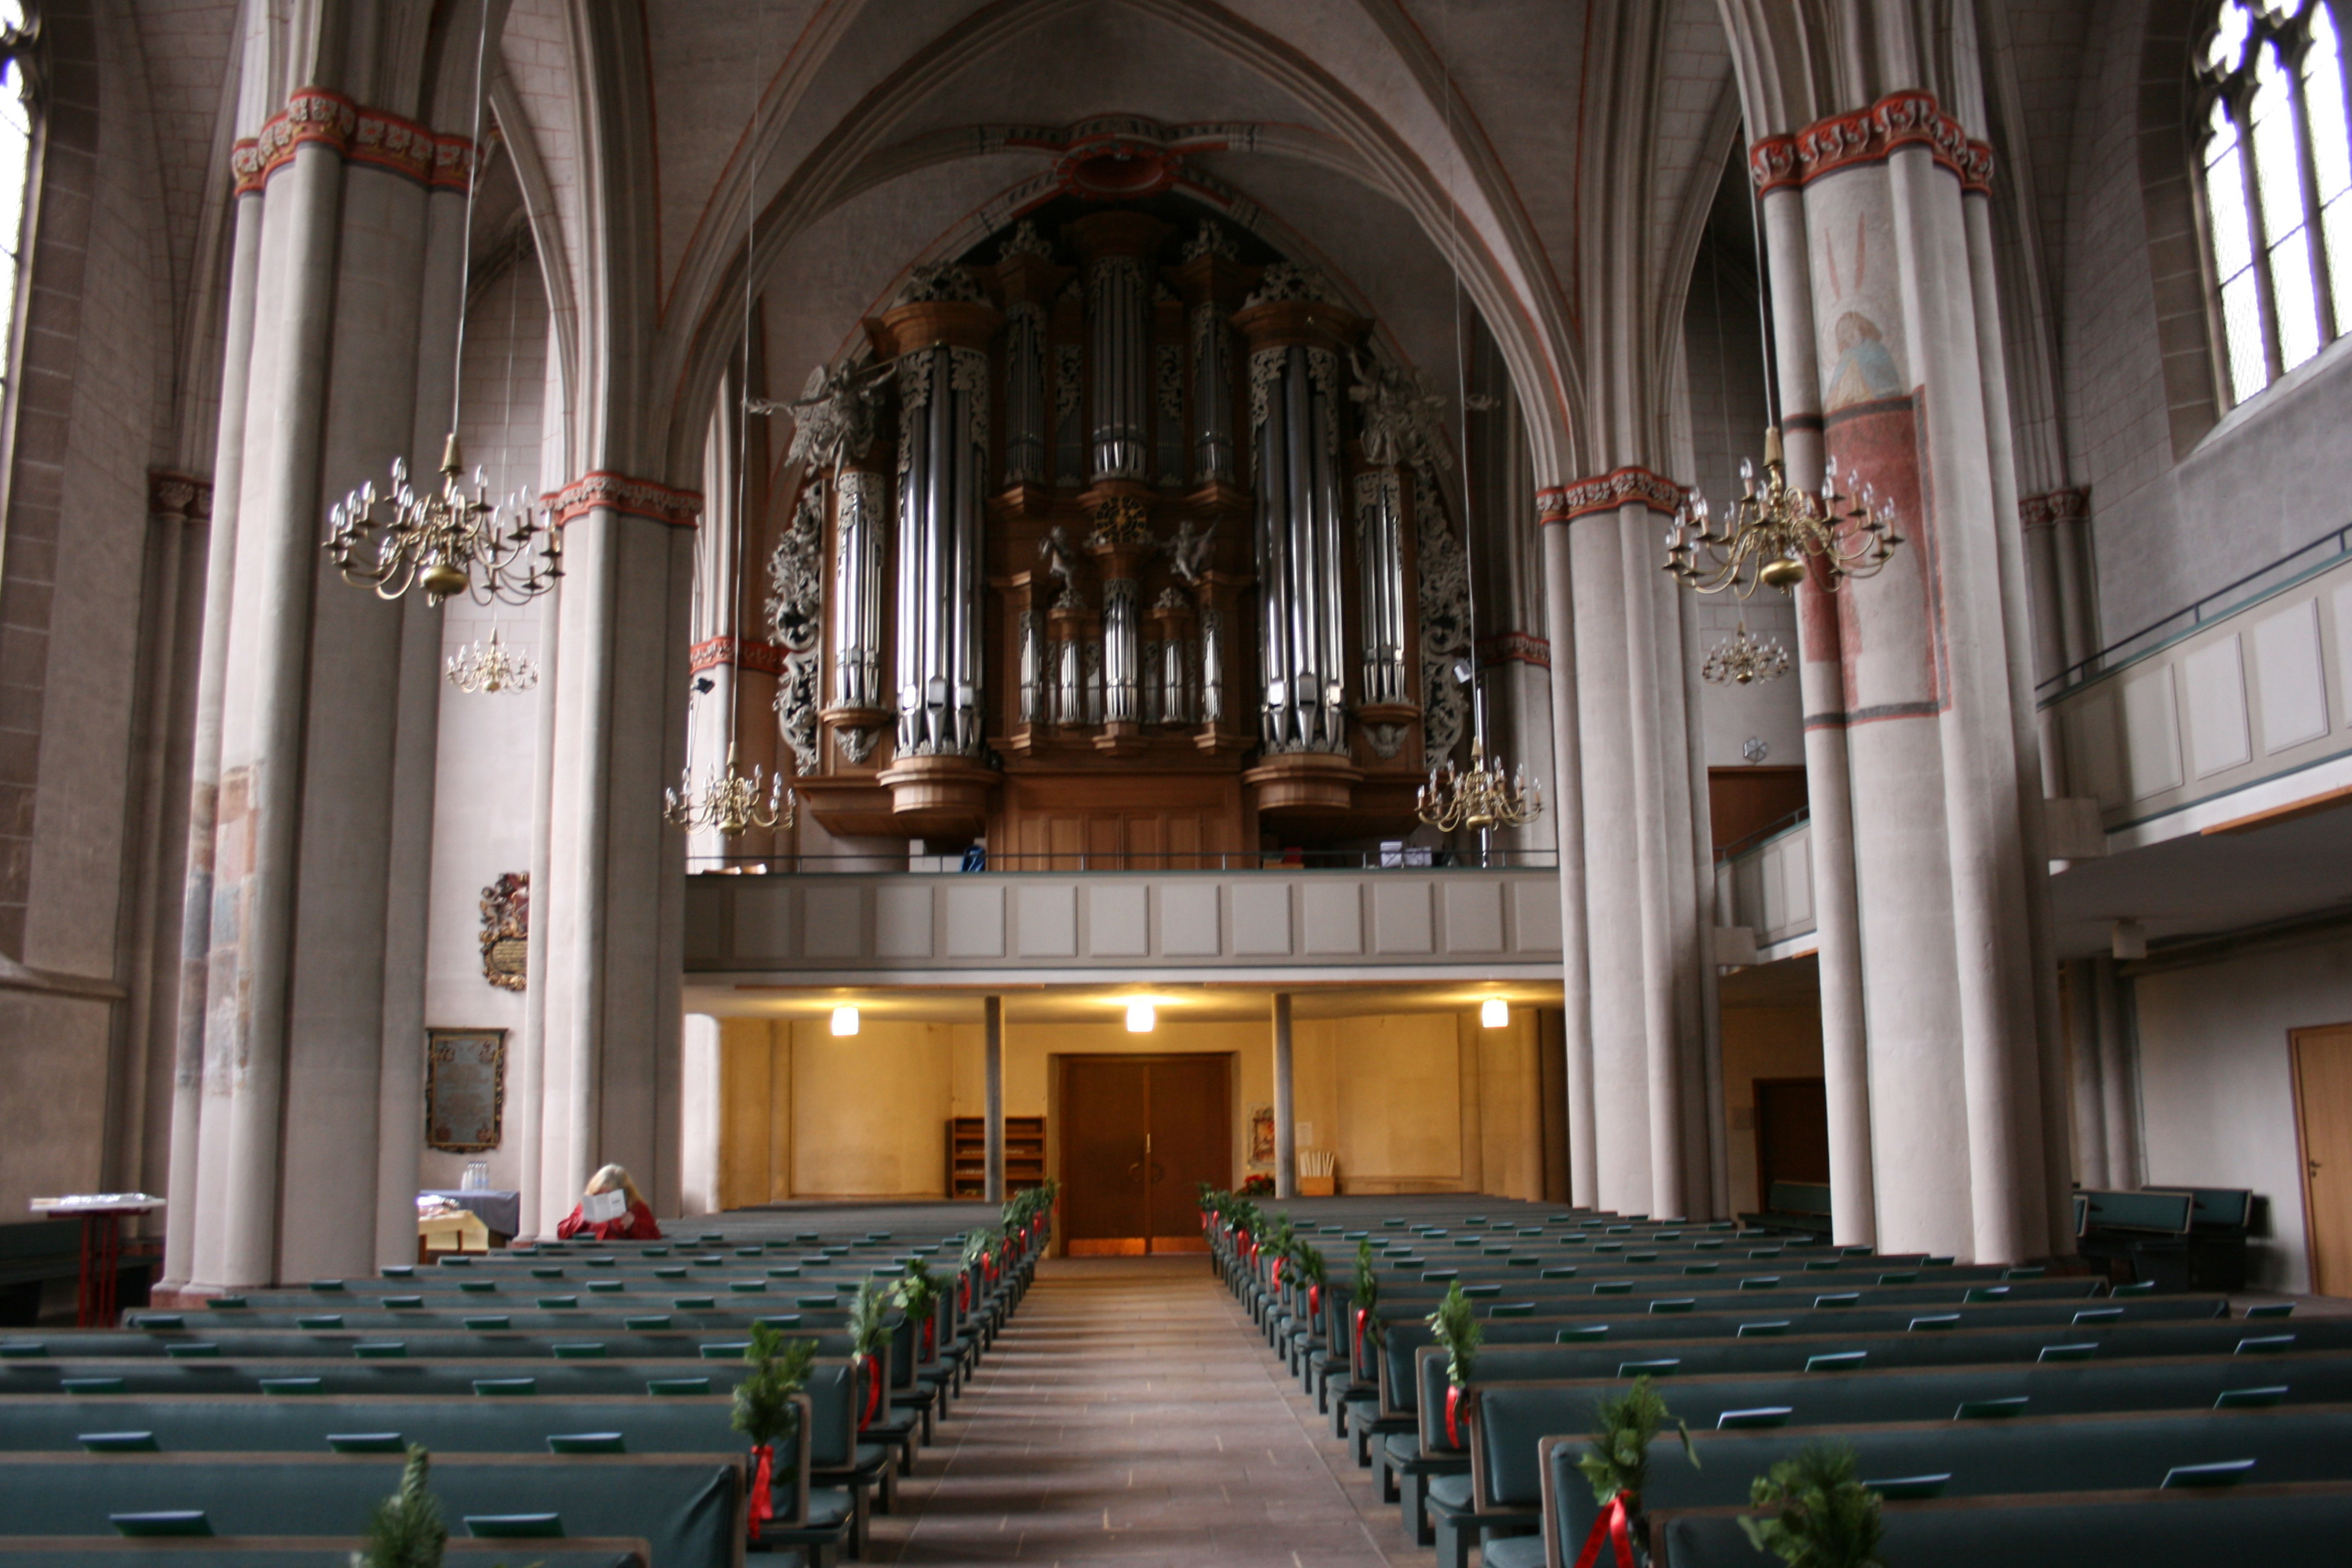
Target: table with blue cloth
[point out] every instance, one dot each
(501, 1212)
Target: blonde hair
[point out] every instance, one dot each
(613, 1177)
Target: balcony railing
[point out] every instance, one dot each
(1412, 857)
(878, 927)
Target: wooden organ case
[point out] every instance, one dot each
(1113, 553)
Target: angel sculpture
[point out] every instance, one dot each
(833, 418)
(1188, 553)
(1061, 558)
(1400, 416)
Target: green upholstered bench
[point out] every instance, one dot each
(450, 1379)
(2186, 1527)
(284, 1552)
(688, 1508)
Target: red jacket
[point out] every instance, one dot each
(638, 1225)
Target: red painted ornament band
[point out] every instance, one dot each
(602, 490)
(1911, 119)
(741, 653)
(1608, 492)
(369, 136)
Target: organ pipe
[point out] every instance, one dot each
(857, 592)
(1294, 435)
(942, 447)
(1379, 586)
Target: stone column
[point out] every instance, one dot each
(1905, 354)
(1845, 1066)
(1621, 1106)
(1653, 909)
(614, 905)
(992, 1090)
(204, 788)
(2118, 1075)
(1568, 811)
(1286, 1125)
(2090, 1088)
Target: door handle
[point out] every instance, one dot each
(1135, 1169)
(1158, 1170)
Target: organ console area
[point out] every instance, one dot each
(1121, 539)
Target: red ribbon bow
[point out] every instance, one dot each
(931, 1338)
(1357, 1360)
(873, 1394)
(1613, 1526)
(763, 1481)
(1453, 1404)
(1315, 1301)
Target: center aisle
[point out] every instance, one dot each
(1130, 1413)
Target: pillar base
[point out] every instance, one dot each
(939, 797)
(1306, 782)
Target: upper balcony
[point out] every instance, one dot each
(1360, 921)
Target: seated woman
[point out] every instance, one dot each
(635, 1222)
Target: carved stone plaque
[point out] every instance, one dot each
(464, 1090)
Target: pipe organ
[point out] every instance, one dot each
(1167, 597)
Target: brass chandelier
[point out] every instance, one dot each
(1744, 658)
(490, 668)
(1479, 797)
(729, 801)
(453, 542)
(1776, 530)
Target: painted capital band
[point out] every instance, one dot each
(182, 496)
(2058, 506)
(1608, 492)
(361, 135)
(742, 652)
(1868, 136)
(630, 497)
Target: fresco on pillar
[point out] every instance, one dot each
(1889, 632)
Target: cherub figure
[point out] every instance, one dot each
(1061, 558)
(1188, 553)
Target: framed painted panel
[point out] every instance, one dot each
(464, 1090)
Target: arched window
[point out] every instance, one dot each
(2273, 147)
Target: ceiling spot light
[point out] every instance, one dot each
(845, 1020)
(1493, 1012)
(1139, 1018)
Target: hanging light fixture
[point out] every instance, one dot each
(1493, 1012)
(1485, 796)
(490, 668)
(456, 541)
(1140, 1017)
(1744, 659)
(1775, 531)
(1479, 796)
(729, 801)
(845, 1020)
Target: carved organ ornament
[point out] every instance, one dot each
(1116, 502)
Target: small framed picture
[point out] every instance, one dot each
(464, 1090)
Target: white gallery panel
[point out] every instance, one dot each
(1474, 916)
(1117, 926)
(2216, 676)
(1535, 914)
(832, 921)
(1261, 918)
(761, 919)
(1334, 915)
(2094, 754)
(1049, 920)
(902, 919)
(2291, 677)
(1188, 919)
(2151, 732)
(975, 920)
(1400, 917)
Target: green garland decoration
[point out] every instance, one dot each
(1823, 1517)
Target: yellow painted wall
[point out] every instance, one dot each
(1761, 1042)
(1410, 1102)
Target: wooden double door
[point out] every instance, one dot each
(1138, 1134)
